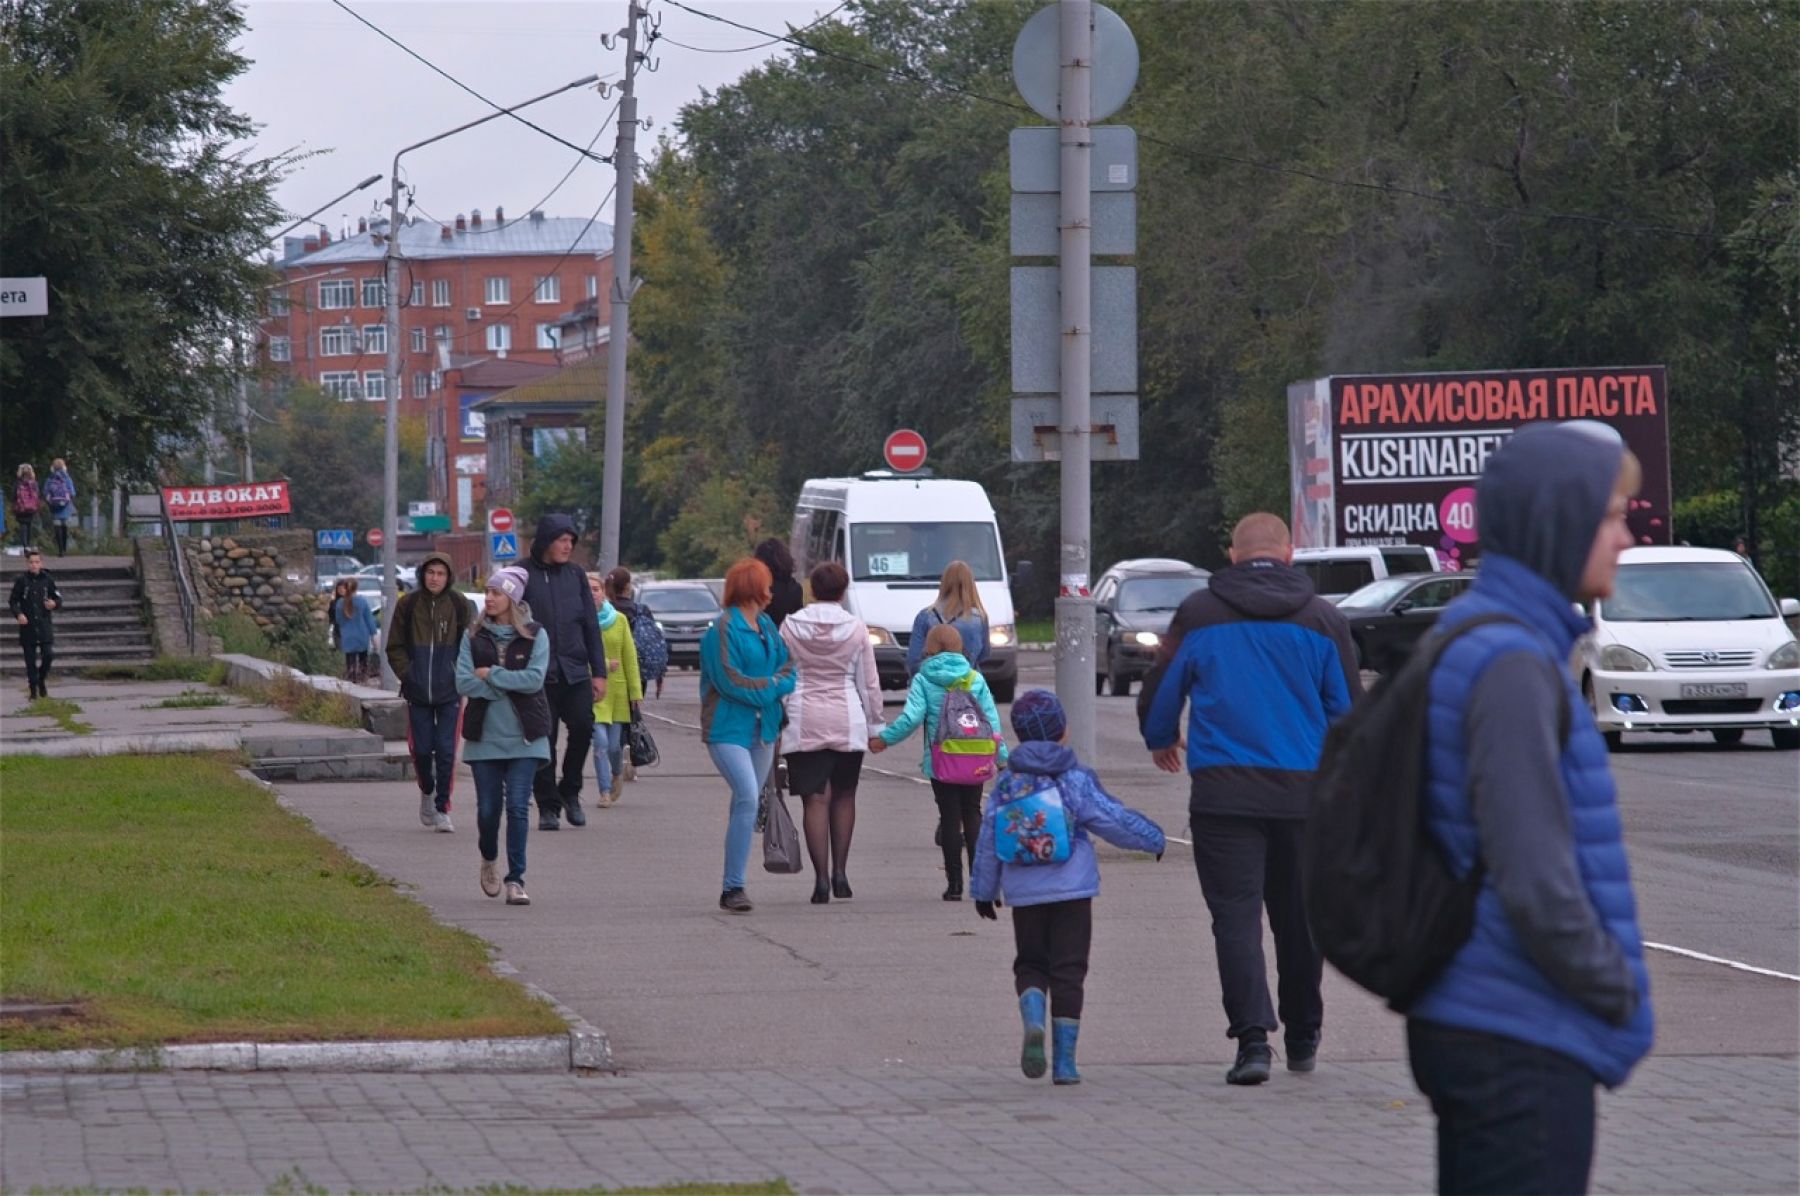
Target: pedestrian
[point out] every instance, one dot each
(500, 668)
(624, 688)
(789, 597)
(1036, 850)
(958, 604)
(59, 496)
(835, 708)
(744, 675)
(1549, 994)
(943, 670)
(34, 596)
(356, 629)
(25, 501)
(647, 634)
(423, 639)
(559, 594)
(1264, 666)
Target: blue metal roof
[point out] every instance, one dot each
(421, 240)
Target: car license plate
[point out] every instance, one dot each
(1724, 689)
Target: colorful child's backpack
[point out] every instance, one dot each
(1033, 828)
(652, 646)
(964, 748)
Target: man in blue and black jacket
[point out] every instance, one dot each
(1263, 665)
(563, 604)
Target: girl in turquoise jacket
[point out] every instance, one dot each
(959, 806)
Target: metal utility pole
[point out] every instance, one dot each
(623, 287)
(1075, 602)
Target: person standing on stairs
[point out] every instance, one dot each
(34, 596)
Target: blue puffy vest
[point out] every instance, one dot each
(1492, 985)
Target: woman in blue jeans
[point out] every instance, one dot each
(744, 675)
(500, 668)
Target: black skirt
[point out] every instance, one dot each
(812, 772)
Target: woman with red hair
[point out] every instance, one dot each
(744, 675)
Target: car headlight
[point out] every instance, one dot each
(1618, 658)
(1785, 657)
(880, 637)
(659, 626)
(1002, 635)
(1148, 639)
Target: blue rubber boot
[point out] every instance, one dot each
(1033, 1005)
(1065, 1030)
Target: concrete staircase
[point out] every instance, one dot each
(101, 620)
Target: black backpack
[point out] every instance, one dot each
(1384, 907)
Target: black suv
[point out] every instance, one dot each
(1132, 607)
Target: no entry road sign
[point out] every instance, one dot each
(904, 450)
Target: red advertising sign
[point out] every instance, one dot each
(1395, 459)
(904, 450)
(252, 500)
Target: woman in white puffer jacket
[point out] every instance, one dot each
(834, 709)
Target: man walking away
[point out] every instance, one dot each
(423, 638)
(1264, 666)
(562, 603)
(1549, 995)
(34, 596)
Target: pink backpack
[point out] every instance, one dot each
(25, 497)
(964, 748)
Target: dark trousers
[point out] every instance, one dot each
(25, 523)
(62, 536)
(1244, 865)
(39, 644)
(571, 705)
(1511, 1117)
(959, 824)
(431, 738)
(1052, 943)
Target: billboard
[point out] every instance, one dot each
(1394, 458)
(191, 504)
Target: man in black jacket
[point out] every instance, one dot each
(563, 605)
(34, 596)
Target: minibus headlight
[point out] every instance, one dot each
(880, 637)
(1002, 635)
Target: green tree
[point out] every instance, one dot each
(121, 187)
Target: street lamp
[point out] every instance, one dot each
(390, 508)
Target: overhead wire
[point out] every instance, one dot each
(658, 35)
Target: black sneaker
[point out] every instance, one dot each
(1303, 1053)
(573, 812)
(733, 901)
(1252, 1066)
(549, 822)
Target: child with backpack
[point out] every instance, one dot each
(1035, 847)
(963, 746)
(59, 496)
(25, 503)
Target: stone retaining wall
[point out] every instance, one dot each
(266, 575)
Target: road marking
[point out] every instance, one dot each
(1730, 963)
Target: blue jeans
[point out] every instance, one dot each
(744, 769)
(431, 738)
(504, 783)
(609, 758)
(1511, 1117)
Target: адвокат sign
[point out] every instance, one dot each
(1394, 458)
(192, 504)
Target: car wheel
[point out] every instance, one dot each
(1004, 690)
(1099, 684)
(1728, 735)
(1119, 684)
(1787, 739)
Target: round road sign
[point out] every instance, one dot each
(1037, 63)
(374, 537)
(500, 519)
(904, 450)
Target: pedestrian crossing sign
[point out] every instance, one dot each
(336, 539)
(503, 546)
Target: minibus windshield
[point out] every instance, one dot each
(921, 551)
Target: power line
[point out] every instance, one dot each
(656, 36)
(1442, 197)
(452, 78)
(551, 194)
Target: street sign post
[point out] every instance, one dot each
(335, 539)
(25, 296)
(375, 537)
(904, 451)
(503, 546)
(500, 519)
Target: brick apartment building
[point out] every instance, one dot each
(479, 300)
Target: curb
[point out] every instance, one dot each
(149, 743)
(1036, 647)
(555, 1052)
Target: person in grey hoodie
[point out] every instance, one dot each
(558, 594)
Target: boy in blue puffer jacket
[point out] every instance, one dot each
(1035, 848)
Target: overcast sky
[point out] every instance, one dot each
(321, 81)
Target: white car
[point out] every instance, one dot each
(1337, 572)
(1692, 640)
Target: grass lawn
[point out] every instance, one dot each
(1037, 631)
(61, 711)
(176, 902)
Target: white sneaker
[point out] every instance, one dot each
(443, 825)
(490, 877)
(515, 894)
(427, 811)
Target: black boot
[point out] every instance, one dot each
(954, 891)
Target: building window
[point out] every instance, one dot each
(593, 287)
(437, 379)
(281, 349)
(547, 290)
(421, 384)
(278, 303)
(499, 336)
(418, 340)
(546, 336)
(374, 339)
(442, 333)
(374, 293)
(339, 383)
(440, 292)
(337, 292)
(417, 298)
(337, 340)
(499, 290)
(374, 385)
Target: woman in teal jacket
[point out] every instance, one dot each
(959, 806)
(744, 675)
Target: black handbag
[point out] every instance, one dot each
(641, 744)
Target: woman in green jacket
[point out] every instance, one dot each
(624, 686)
